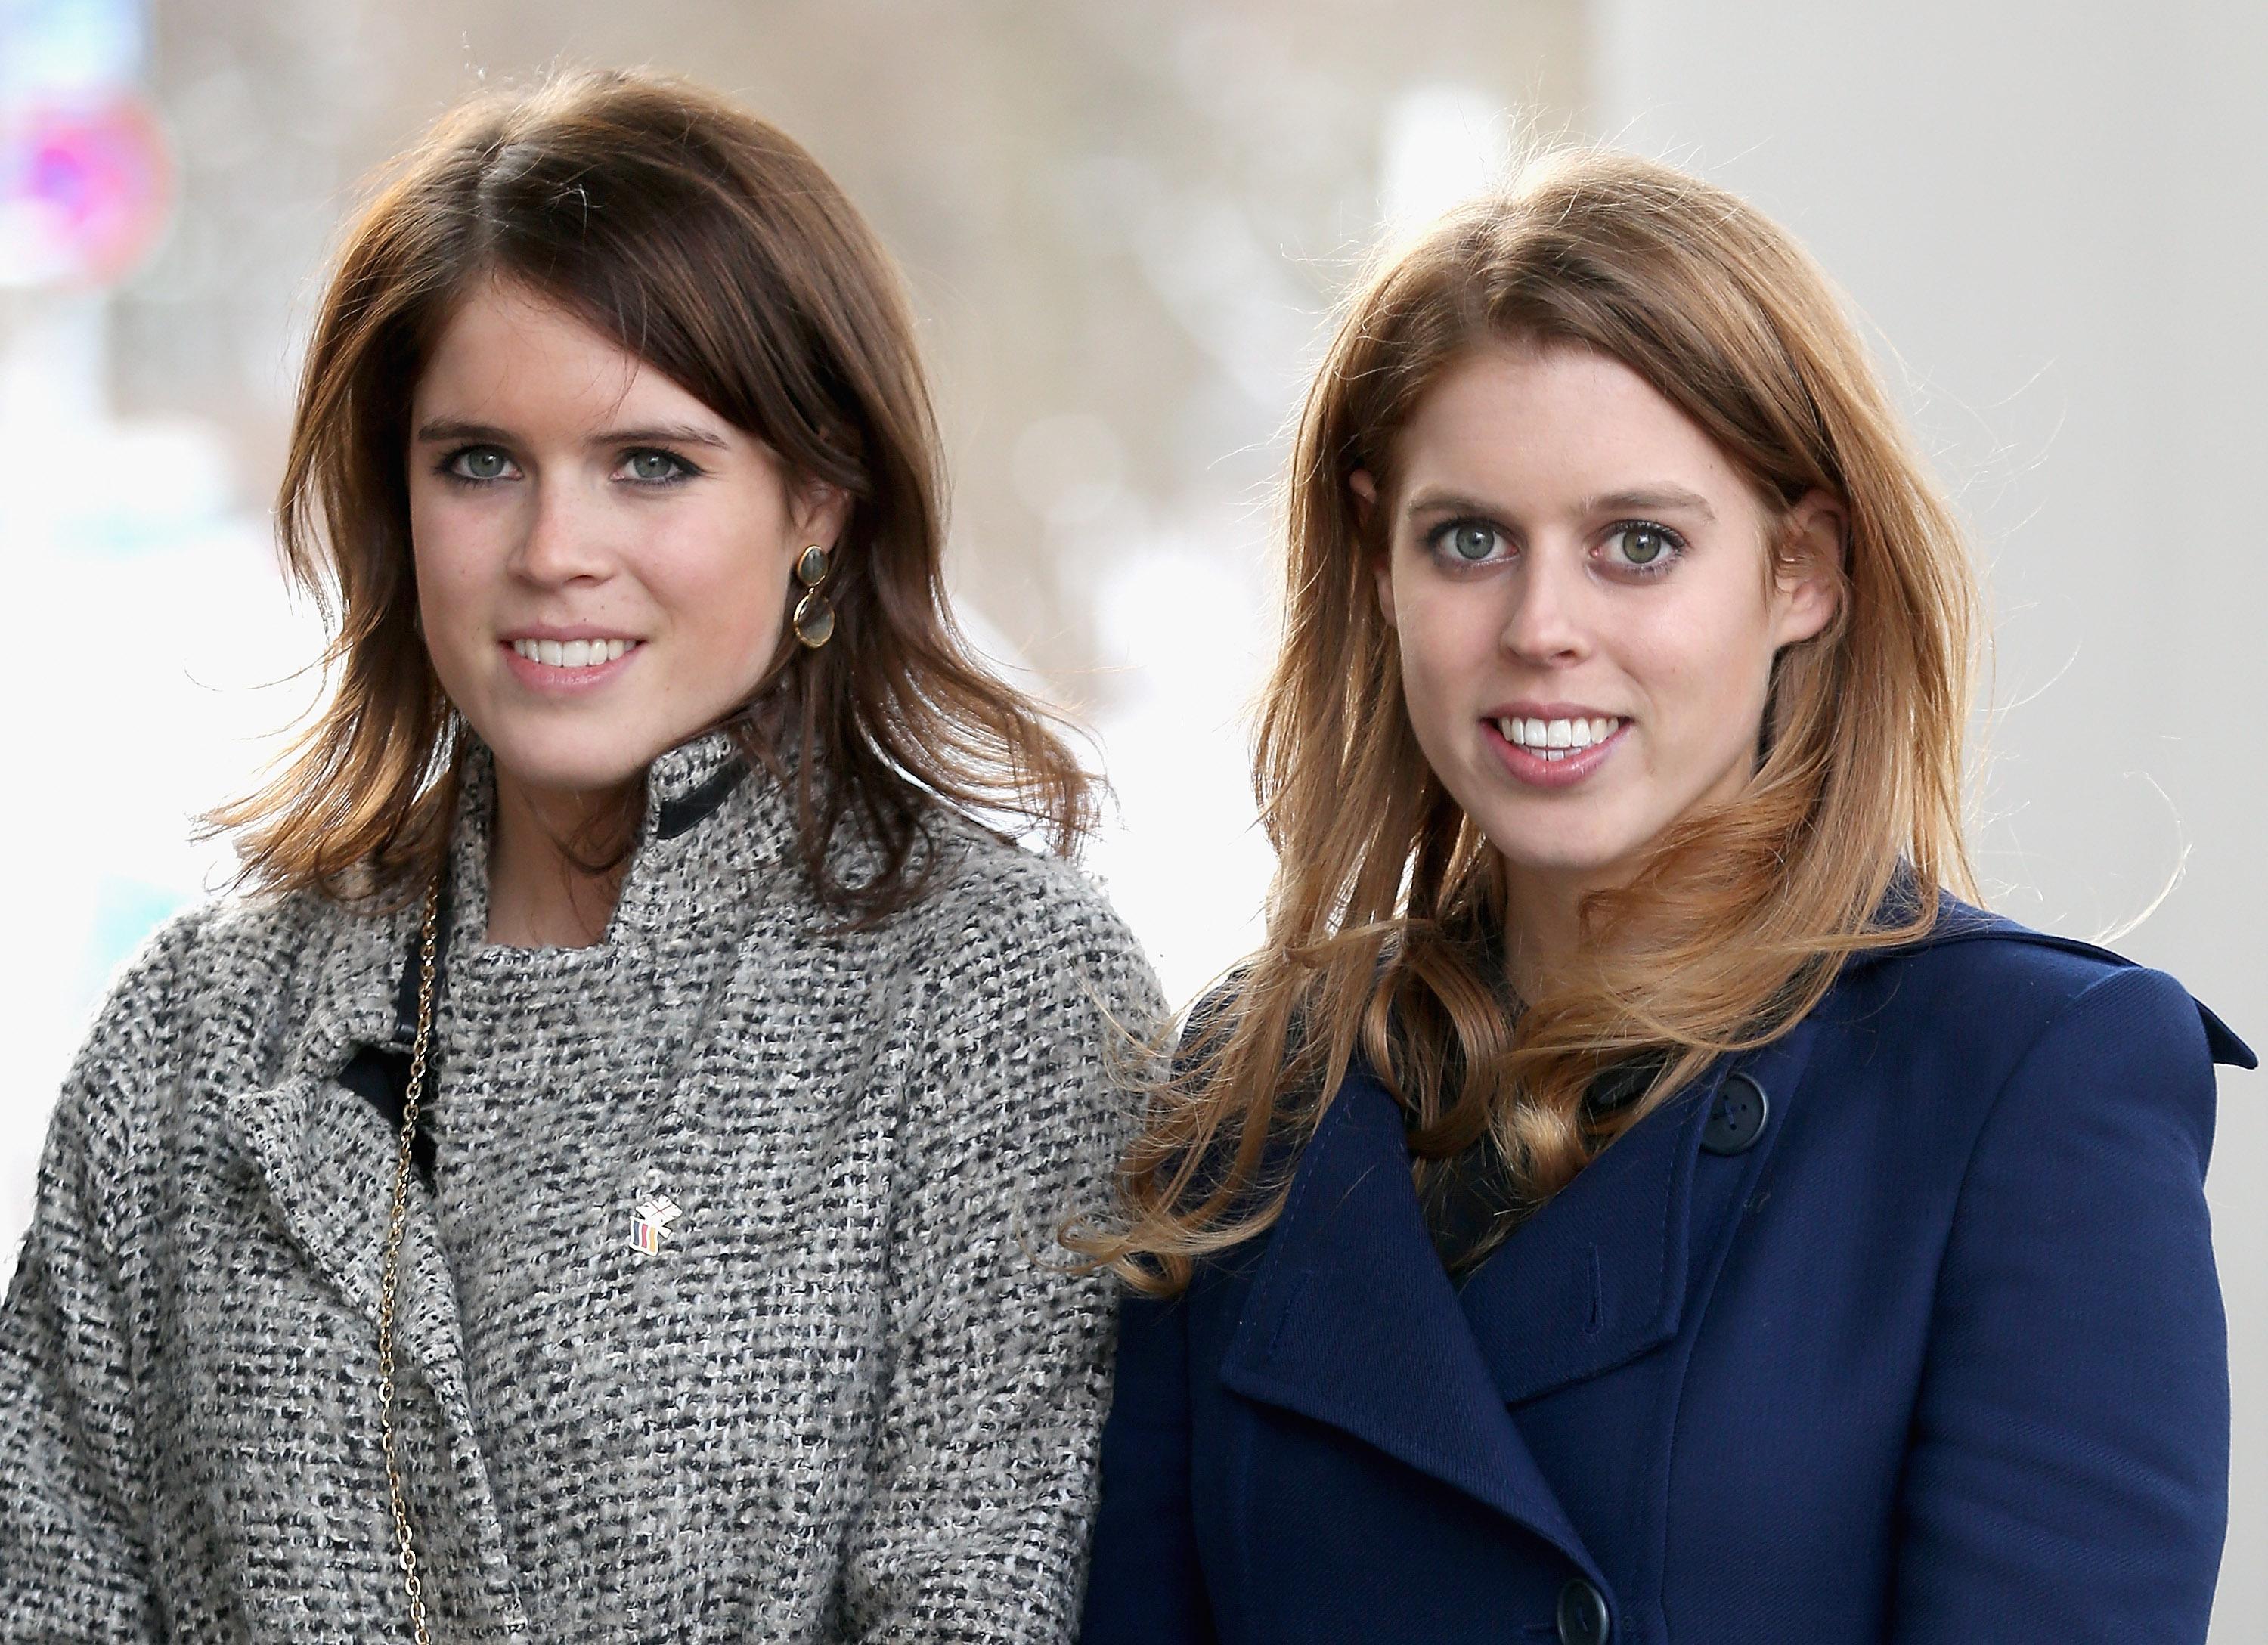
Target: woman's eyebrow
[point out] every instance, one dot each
(1653, 497)
(662, 434)
(1432, 501)
(443, 428)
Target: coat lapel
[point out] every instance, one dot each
(1351, 1321)
(326, 1166)
(1602, 1274)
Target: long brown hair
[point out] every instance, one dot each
(712, 246)
(1386, 915)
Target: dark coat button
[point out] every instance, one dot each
(1583, 1618)
(1736, 1116)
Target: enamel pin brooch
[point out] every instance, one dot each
(654, 1217)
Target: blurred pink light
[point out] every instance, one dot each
(85, 192)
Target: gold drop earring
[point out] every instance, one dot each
(815, 618)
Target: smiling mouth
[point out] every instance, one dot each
(1557, 739)
(574, 653)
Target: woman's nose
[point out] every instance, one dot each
(565, 537)
(1546, 623)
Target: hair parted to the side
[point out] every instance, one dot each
(1385, 918)
(715, 248)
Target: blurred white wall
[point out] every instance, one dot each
(2055, 212)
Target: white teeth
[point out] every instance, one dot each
(573, 653)
(1556, 739)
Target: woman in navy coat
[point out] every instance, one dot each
(1630, 1197)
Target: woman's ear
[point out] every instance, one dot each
(1807, 579)
(1365, 490)
(1366, 495)
(819, 512)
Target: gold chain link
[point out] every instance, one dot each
(404, 1543)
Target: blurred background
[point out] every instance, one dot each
(1124, 227)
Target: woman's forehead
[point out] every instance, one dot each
(1559, 422)
(509, 355)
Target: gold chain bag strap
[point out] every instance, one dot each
(404, 1543)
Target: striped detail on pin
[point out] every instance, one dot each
(653, 1224)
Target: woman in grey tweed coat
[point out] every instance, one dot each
(757, 1075)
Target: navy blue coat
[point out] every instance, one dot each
(1937, 1355)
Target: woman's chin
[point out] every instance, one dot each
(1589, 859)
(537, 767)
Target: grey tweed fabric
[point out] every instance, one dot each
(842, 1391)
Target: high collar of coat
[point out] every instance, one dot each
(711, 827)
(714, 828)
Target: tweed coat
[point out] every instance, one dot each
(836, 1388)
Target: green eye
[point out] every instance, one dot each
(654, 465)
(1472, 542)
(1646, 548)
(482, 463)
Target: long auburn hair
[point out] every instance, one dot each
(1386, 915)
(712, 246)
